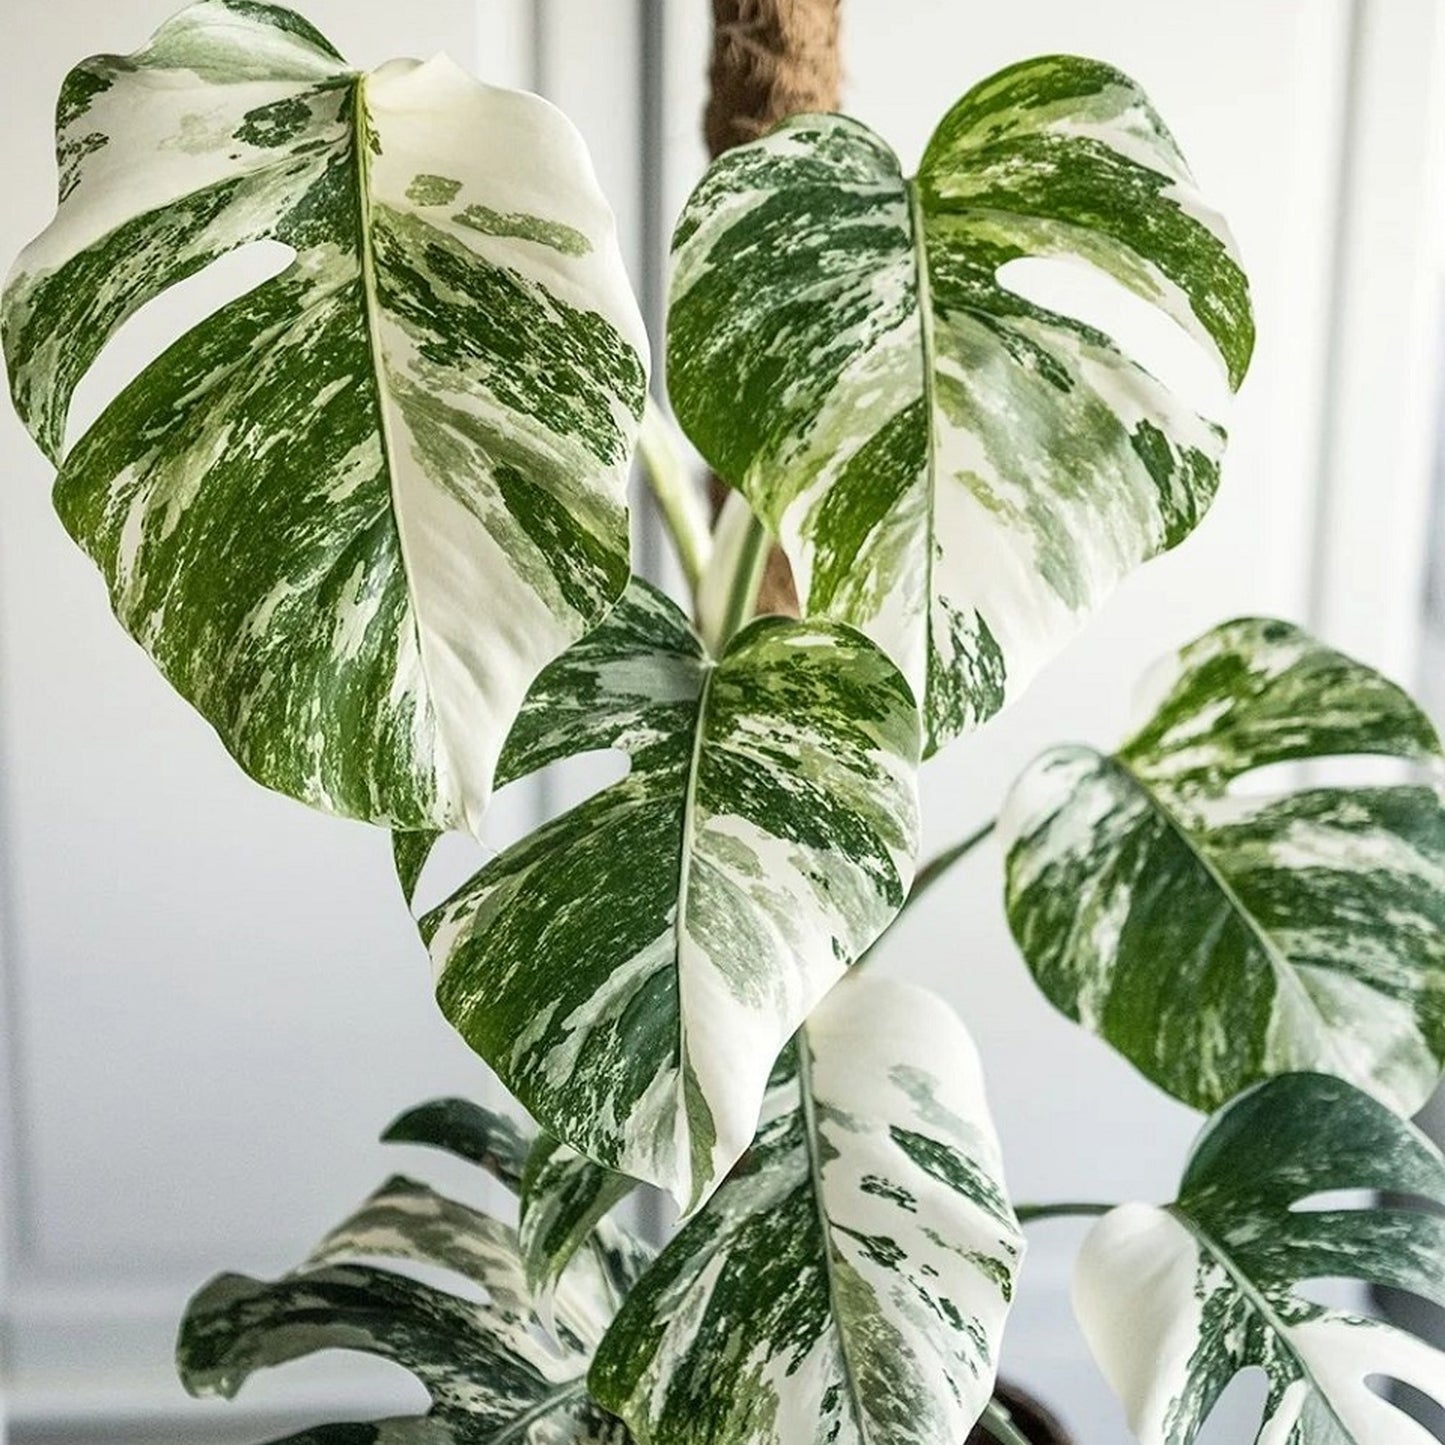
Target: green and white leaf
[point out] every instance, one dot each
(632, 968)
(961, 473)
(481, 1136)
(1215, 933)
(850, 1279)
(1175, 1302)
(565, 1199)
(492, 1374)
(409, 854)
(354, 512)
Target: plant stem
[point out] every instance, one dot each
(678, 499)
(997, 1421)
(1028, 1213)
(925, 878)
(743, 588)
(937, 866)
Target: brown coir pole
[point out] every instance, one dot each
(770, 59)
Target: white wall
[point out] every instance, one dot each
(213, 997)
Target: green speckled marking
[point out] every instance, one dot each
(960, 473)
(429, 190)
(566, 239)
(1215, 934)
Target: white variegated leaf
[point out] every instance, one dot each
(1175, 1302)
(849, 1281)
(481, 1136)
(632, 968)
(354, 512)
(1217, 933)
(491, 1374)
(565, 1198)
(495, 1376)
(959, 472)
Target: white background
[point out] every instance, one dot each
(213, 998)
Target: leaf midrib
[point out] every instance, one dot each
(1253, 1297)
(370, 310)
(517, 1427)
(808, 1109)
(684, 888)
(926, 347)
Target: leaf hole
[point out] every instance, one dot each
(1333, 1292)
(570, 781)
(1346, 771)
(1141, 330)
(1400, 1307)
(516, 810)
(1236, 1411)
(1330, 1200)
(433, 1275)
(1333, 1199)
(162, 321)
(1412, 1312)
(371, 1385)
(1411, 1401)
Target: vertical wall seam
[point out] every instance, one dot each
(19, 1237)
(653, 237)
(1327, 470)
(537, 41)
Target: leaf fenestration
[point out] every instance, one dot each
(497, 1374)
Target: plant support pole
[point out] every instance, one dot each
(770, 59)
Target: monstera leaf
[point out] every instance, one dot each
(1176, 1301)
(565, 1199)
(562, 1196)
(849, 1281)
(1217, 935)
(959, 472)
(632, 968)
(467, 1131)
(493, 1374)
(353, 513)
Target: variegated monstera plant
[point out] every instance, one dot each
(370, 518)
